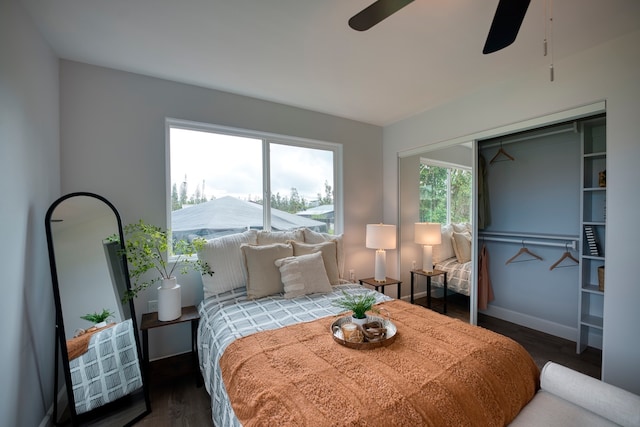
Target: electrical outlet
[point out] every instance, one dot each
(153, 305)
(352, 275)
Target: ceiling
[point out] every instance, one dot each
(302, 52)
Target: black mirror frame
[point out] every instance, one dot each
(61, 346)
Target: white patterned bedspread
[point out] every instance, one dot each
(458, 275)
(108, 370)
(229, 316)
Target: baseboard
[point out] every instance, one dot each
(532, 322)
(48, 421)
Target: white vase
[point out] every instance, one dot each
(359, 321)
(101, 324)
(169, 300)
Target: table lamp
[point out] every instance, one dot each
(381, 237)
(427, 234)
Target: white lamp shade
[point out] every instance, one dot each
(381, 236)
(427, 233)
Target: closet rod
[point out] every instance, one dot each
(568, 244)
(564, 237)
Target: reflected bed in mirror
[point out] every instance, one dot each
(436, 187)
(101, 362)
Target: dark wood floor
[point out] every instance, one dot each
(176, 401)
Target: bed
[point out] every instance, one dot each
(453, 255)
(271, 360)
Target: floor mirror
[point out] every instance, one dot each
(101, 362)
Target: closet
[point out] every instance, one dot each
(538, 192)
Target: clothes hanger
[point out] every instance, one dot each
(565, 255)
(523, 250)
(501, 152)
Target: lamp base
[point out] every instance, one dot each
(427, 258)
(381, 264)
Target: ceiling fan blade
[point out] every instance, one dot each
(506, 24)
(375, 13)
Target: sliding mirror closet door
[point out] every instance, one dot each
(436, 186)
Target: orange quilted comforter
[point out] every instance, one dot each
(438, 372)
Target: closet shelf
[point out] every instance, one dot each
(593, 321)
(592, 289)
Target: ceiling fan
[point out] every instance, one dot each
(504, 28)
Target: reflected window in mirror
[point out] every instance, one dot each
(445, 192)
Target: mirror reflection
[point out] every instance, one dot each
(97, 332)
(436, 187)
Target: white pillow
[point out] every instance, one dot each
(462, 246)
(270, 237)
(311, 236)
(329, 253)
(225, 259)
(304, 274)
(263, 277)
(445, 249)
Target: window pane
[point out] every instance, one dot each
(301, 188)
(215, 181)
(460, 195)
(433, 194)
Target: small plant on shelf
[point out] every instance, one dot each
(358, 304)
(98, 317)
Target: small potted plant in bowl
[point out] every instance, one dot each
(99, 319)
(359, 305)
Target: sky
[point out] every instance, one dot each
(232, 166)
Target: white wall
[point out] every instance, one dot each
(113, 144)
(29, 182)
(606, 72)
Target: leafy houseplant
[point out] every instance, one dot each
(358, 304)
(146, 248)
(98, 317)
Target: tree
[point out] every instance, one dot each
(328, 195)
(175, 202)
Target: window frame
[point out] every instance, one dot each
(267, 139)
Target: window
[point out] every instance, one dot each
(445, 192)
(224, 181)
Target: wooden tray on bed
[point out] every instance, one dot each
(390, 336)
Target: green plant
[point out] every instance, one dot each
(98, 317)
(359, 304)
(147, 248)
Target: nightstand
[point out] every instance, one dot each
(388, 281)
(429, 275)
(150, 321)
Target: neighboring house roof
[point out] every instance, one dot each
(317, 210)
(229, 215)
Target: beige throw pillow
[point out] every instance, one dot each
(263, 277)
(462, 246)
(311, 236)
(329, 253)
(303, 275)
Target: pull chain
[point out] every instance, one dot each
(548, 34)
